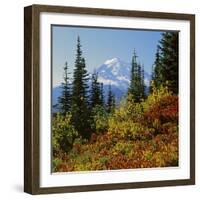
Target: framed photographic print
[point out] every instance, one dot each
(109, 99)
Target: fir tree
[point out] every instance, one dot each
(152, 79)
(80, 110)
(157, 74)
(133, 74)
(95, 91)
(139, 74)
(113, 102)
(169, 60)
(101, 95)
(64, 99)
(137, 87)
(143, 87)
(110, 100)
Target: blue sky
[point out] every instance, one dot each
(99, 45)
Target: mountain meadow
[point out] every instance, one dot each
(96, 128)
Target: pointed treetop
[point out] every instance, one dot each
(135, 54)
(79, 51)
(134, 59)
(78, 38)
(66, 66)
(78, 41)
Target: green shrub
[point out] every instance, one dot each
(104, 160)
(123, 148)
(156, 96)
(99, 119)
(63, 133)
(126, 121)
(56, 164)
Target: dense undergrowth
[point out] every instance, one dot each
(133, 135)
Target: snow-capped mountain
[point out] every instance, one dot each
(117, 73)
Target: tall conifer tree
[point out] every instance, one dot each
(64, 100)
(143, 87)
(165, 69)
(137, 86)
(101, 95)
(169, 60)
(133, 78)
(157, 76)
(95, 91)
(110, 101)
(80, 110)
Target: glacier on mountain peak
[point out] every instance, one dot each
(112, 61)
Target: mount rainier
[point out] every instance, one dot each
(117, 73)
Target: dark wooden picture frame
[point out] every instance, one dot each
(32, 98)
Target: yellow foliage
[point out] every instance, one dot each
(156, 96)
(125, 121)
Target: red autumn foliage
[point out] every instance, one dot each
(166, 110)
